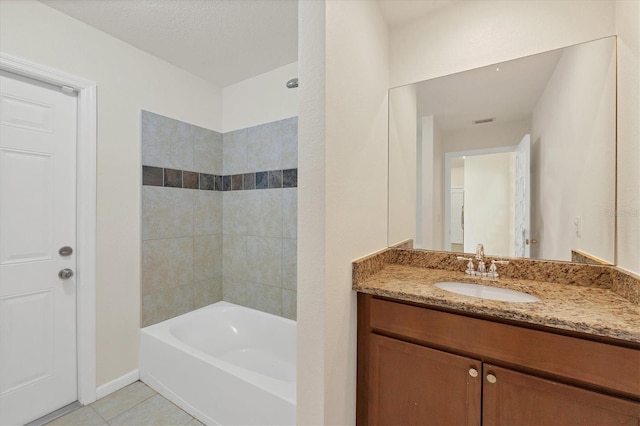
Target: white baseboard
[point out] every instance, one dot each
(117, 384)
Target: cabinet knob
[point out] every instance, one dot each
(473, 372)
(491, 378)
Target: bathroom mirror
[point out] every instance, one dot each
(519, 156)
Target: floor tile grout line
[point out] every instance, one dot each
(134, 406)
(96, 411)
(154, 394)
(120, 390)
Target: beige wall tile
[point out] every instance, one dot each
(166, 212)
(264, 298)
(264, 209)
(289, 264)
(289, 304)
(166, 303)
(264, 260)
(166, 263)
(234, 291)
(238, 235)
(235, 212)
(290, 212)
(234, 257)
(289, 135)
(207, 151)
(234, 152)
(166, 142)
(264, 147)
(207, 213)
(207, 256)
(207, 292)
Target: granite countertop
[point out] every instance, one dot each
(594, 310)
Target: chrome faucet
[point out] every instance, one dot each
(482, 269)
(482, 272)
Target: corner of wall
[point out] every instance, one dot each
(260, 99)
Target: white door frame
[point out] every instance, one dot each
(85, 213)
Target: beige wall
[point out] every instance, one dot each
(575, 171)
(128, 80)
(426, 214)
(311, 386)
(260, 99)
(628, 236)
(342, 193)
(471, 34)
(403, 125)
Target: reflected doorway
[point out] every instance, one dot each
(487, 200)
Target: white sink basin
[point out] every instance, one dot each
(487, 292)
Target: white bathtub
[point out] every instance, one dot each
(224, 364)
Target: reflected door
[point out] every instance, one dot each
(457, 219)
(523, 198)
(38, 367)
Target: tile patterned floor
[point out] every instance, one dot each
(133, 405)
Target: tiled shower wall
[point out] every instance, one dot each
(259, 226)
(203, 220)
(181, 224)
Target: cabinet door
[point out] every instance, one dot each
(413, 385)
(512, 398)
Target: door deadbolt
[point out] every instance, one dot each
(65, 251)
(65, 273)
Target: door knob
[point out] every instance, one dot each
(491, 378)
(473, 372)
(65, 273)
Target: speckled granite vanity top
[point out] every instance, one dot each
(591, 299)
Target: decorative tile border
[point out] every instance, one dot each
(173, 178)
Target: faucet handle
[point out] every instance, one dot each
(493, 269)
(470, 268)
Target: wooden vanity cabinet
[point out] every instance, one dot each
(411, 384)
(523, 399)
(418, 366)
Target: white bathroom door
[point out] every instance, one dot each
(522, 247)
(38, 364)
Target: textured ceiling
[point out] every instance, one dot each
(222, 41)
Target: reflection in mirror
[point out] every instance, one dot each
(519, 156)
